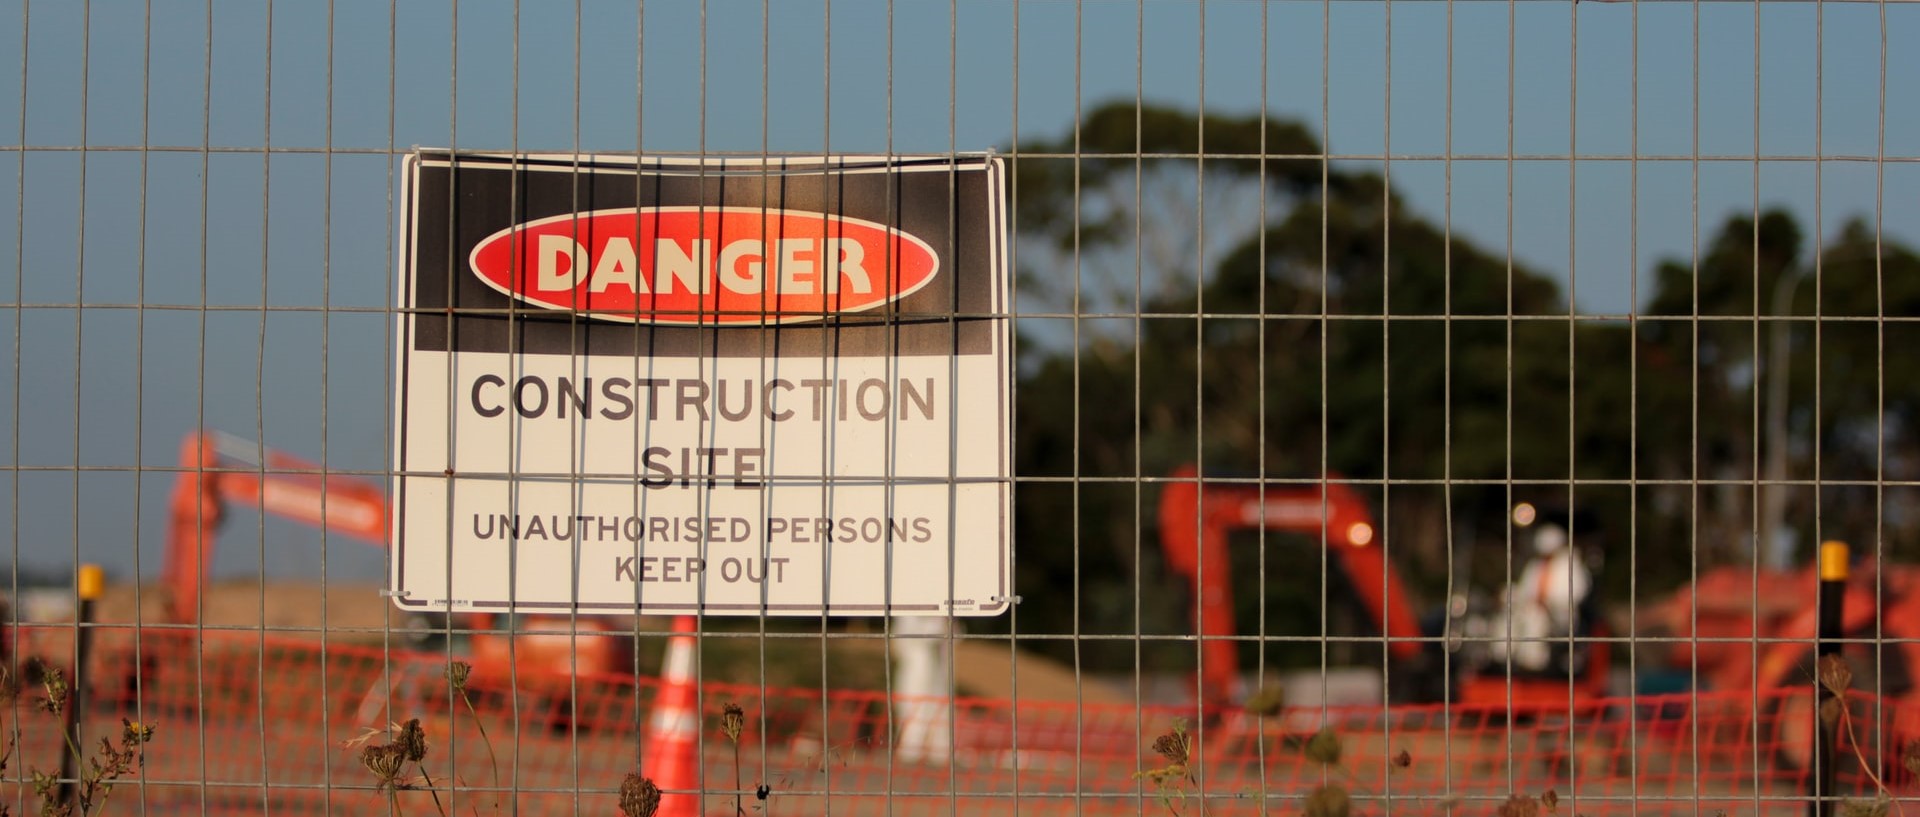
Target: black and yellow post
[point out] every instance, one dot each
(1832, 613)
(89, 582)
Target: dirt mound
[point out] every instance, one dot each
(350, 611)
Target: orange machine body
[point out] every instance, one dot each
(1742, 628)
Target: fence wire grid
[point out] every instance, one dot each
(1459, 407)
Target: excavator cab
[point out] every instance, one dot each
(1542, 639)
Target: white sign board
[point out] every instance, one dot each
(726, 386)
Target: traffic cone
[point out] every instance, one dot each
(673, 732)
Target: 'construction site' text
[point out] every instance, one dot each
(679, 399)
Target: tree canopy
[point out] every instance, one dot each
(1337, 331)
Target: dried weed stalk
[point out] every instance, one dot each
(1520, 805)
(1837, 678)
(458, 673)
(732, 721)
(639, 797)
(6, 755)
(98, 773)
(412, 741)
(1170, 782)
(1862, 807)
(9, 685)
(387, 762)
(1330, 800)
(1324, 748)
(55, 683)
(1334, 798)
(1268, 702)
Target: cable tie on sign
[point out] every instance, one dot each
(1008, 599)
(395, 594)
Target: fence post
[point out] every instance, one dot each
(88, 584)
(1832, 600)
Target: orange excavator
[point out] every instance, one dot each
(218, 471)
(1197, 519)
(1740, 628)
(1743, 627)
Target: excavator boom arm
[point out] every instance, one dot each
(216, 472)
(1196, 520)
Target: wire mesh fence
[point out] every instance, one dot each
(839, 749)
(1329, 407)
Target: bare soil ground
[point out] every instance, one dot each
(356, 613)
(293, 609)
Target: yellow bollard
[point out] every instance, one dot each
(91, 582)
(1831, 602)
(1833, 561)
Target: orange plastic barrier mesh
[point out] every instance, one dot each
(249, 724)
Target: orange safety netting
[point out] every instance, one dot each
(248, 723)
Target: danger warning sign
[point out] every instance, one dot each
(729, 386)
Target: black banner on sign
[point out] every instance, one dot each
(656, 259)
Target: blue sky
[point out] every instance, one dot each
(145, 238)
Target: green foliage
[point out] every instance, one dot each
(1713, 379)
(1293, 375)
(1047, 189)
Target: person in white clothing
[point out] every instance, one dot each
(1544, 604)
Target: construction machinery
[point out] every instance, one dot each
(219, 471)
(1744, 628)
(1485, 636)
(1197, 521)
(1741, 628)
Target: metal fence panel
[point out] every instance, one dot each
(1417, 407)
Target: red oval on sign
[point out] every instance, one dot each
(705, 265)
